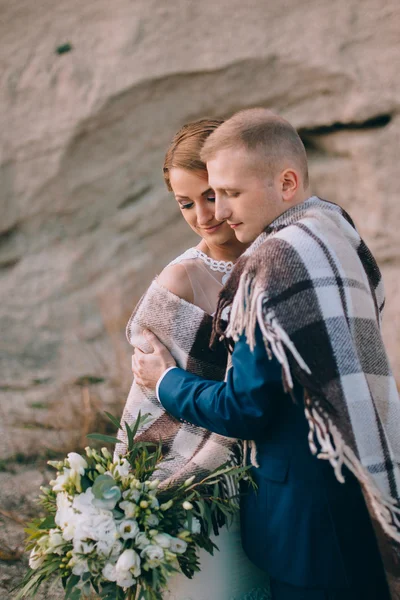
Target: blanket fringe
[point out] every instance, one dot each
(334, 449)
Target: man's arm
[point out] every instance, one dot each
(240, 407)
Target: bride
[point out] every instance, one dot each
(178, 308)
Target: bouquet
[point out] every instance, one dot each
(114, 532)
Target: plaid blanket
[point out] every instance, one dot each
(186, 330)
(315, 290)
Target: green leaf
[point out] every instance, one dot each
(113, 420)
(103, 438)
(72, 582)
(131, 435)
(47, 523)
(136, 425)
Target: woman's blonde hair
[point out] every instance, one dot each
(184, 150)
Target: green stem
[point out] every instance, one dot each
(132, 593)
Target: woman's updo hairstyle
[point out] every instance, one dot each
(184, 150)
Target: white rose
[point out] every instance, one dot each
(109, 572)
(35, 559)
(178, 546)
(130, 509)
(128, 529)
(153, 553)
(162, 539)
(128, 561)
(124, 579)
(77, 463)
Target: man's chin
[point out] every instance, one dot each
(245, 237)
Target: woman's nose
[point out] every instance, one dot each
(205, 214)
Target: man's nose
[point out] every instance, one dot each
(222, 208)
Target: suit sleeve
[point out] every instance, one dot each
(241, 407)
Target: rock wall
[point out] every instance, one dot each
(85, 221)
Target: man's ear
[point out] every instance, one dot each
(289, 183)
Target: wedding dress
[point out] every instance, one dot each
(228, 574)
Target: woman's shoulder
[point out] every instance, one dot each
(176, 279)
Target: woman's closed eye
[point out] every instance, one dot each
(211, 197)
(188, 205)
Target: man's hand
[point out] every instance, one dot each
(148, 368)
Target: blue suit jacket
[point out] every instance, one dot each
(302, 526)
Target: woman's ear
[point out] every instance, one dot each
(289, 181)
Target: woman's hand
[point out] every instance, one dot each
(148, 368)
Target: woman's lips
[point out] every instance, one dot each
(213, 228)
(234, 225)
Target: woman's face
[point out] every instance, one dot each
(197, 203)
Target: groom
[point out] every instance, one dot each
(309, 378)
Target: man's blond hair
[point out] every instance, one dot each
(272, 139)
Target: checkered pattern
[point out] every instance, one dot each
(185, 329)
(314, 288)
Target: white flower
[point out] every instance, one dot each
(196, 525)
(152, 520)
(129, 561)
(142, 540)
(162, 539)
(125, 579)
(55, 542)
(65, 517)
(62, 481)
(82, 546)
(109, 572)
(178, 546)
(98, 527)
(122, 468)
(84, 502)
(116, 550)
(154, 555)
(77, 463)
(131, 495)
(35, 558)
(187, 505)
(128, 529)
(154, 503)
(79, 565)
(130, 509)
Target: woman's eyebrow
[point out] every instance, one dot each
(207, 191)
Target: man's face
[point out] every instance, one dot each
(244, 197)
